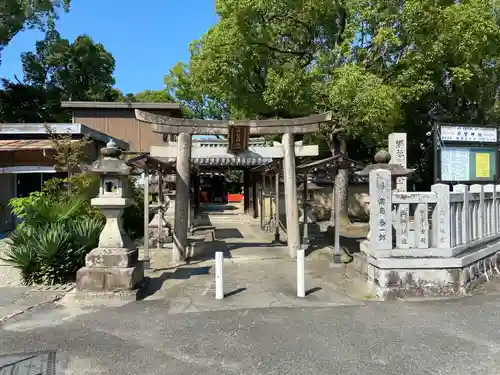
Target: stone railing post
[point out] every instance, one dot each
(465, 213)
(489, 210)
(441, 226)
(380, 210)
(480, 210)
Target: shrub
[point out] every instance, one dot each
(50, 245)
(133, 216)
(60, 227)
(53, 252)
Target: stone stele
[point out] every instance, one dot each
(113, 267)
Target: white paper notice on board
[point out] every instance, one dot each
(455, 164)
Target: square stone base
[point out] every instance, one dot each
(109, 279)
(389, 283)
(111, 257)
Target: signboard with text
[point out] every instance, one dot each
(465, 153)
(238, 138)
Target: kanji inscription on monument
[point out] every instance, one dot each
(397, 149)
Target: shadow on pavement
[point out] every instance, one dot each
(313, 290)
(154, 284)
(234, 292)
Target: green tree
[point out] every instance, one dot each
(154, 96)
(29, 104)
(286, 59)
(441, 55)
(58, 70)
(82, 70)
(16, 16)
(183, 88)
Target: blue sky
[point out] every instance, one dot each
(145, 37)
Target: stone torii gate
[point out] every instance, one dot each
(238, 133)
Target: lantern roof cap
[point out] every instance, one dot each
(110, 162)
(382, 161)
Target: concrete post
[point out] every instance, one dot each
(305, 234)
(336, 207)
(219, 275)
(271, 221)
(255, 200)
(292, 212)
(146, 218)
(262, 206)
(398, 150)
(160, 210)
(183, 178)
(301, 285)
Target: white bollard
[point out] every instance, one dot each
(301, 259)
(219, 275)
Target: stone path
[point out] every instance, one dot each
(256, 273)
(255, 283)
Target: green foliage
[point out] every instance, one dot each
(82, 70)
(50, 245)
(20, 102)
(59, 228)
(154, 96)
(52, 252)
(365, 107)
(39, 208)
(20, 15)
(57, 70)
(133, 216)
(83, 185)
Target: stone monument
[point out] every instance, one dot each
(113, 267)
(382, 162)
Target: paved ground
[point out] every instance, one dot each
(260, 328)
(439, 337)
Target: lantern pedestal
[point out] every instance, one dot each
(114, 265)
(113, 268)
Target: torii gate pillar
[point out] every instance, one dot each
(291, 207)
(182, 187)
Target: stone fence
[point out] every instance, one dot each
(437, 242)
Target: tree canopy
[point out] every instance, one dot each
(379, 66)
(18, 15)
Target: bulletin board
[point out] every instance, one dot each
(468, 164)
(465, 154)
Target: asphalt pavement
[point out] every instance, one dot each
(401, 338)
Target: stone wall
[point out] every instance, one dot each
(357, 201)
(451, 245)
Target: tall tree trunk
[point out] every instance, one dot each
(339, 145)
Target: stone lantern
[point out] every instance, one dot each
(113, 266)
(382, 159)
(307, 203)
